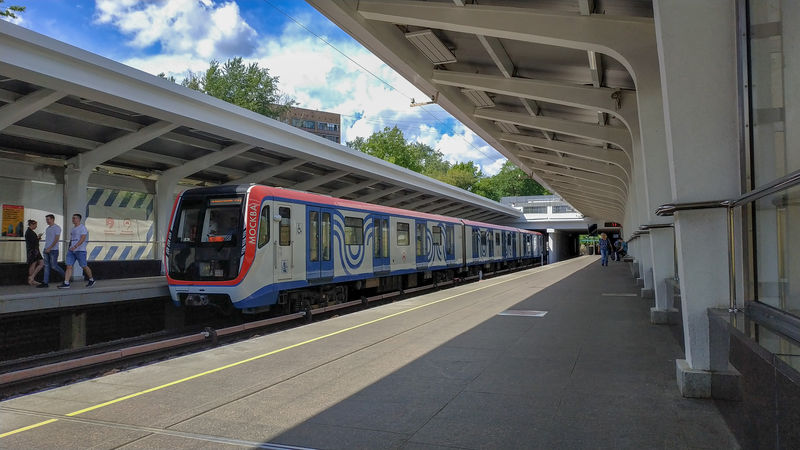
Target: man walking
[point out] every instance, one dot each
(51, 242)
(78, 239)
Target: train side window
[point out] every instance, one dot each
(437, 235)
(476, 242)
(497, 239)
(326, 236)
(263, 227)
(403, 234)
(420, 239)
(385, 238)
(450, 241)
(285, 227)
(313, 236)
(353, 231)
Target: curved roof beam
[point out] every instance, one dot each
(579, 163)
(556, 182)
(584, 97)
(584, 151)
(581, 193)
(588, 176)
(614, 135)
(618, 36)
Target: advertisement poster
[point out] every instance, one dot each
(13, 220)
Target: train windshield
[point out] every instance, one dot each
(206, 239)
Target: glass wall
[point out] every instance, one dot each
(774, 95)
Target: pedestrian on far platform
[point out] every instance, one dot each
(35, 262)
(605, 247)
(78, 239)
(52, 235)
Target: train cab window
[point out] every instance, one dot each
(420, 239)
(263, 227)
(326, 236)
(437, 235)
(353, 231)
(403, 234)
(285, 227)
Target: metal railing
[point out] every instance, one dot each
(780, 184)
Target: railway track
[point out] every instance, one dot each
(54, 369)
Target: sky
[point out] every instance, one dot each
(288, 37)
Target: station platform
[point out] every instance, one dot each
(25, 298)
(472, 366)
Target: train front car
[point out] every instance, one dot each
(211, 245)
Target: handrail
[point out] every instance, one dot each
(669, 209)
(781, 184)
(655, 226)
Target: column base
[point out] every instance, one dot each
(647, 294)
(693, 383)
(664, 316)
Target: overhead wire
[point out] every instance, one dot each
(329, 44)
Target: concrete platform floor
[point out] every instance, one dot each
(442, 370)
(22, 298)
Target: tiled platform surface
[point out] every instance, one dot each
(442, 370)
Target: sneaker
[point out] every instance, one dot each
(63, 286)
(43, 285)
(90, 283)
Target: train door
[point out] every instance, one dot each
(319, 263)
(284, 262)
(421, 243)
(449, 243)
(380, 249)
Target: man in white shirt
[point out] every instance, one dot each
(51, 247)
(78, 238)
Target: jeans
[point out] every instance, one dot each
(51, 262)
(604, 257)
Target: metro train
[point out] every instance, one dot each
(260, 248)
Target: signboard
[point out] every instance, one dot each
(588, 240)
(115, 224)
(13, 220)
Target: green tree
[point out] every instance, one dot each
(511, 181)
(390, 145)
(10, 11)
(465, 175)
(245, 85)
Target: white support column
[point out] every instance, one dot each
(701, 113)
(663, 239)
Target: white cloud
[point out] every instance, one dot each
(181, 26)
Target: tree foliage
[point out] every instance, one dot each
(390, 145)
(10, 11)
(245, 85)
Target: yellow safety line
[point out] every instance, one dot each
(208, 372)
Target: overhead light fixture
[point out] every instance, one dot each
(478, 98)
(431, 46)
(507, 127)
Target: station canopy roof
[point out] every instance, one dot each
(60, 105)
(539, 80)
